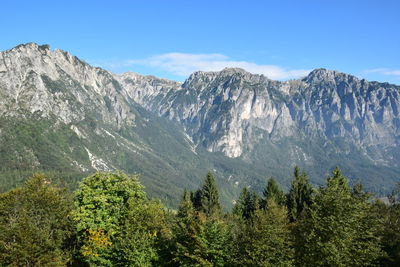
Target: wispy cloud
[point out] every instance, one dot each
(183, 64)
(385, 71)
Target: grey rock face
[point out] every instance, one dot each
(147, 90)
(342, 105)
(35, 79)
(328, 114)
(221, 110)
(58, 113)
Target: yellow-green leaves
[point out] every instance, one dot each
(116, 223)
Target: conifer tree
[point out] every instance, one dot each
(246, 204)
(240, 204)
(209, 196)
(35, 225)
(340, 230)
(265, 239)
(201, 235)
(189, 245)
(300, 194)
(196, 198)
(216, 236)
(391, 228)
(272, 191)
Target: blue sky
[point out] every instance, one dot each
(170, 39)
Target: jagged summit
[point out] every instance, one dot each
(29, 47)
(315, 76)
(226, 70)
(136, 75)
(326, 75)
(234, 71)
(228, 75)
(223, 72)
(33, 51)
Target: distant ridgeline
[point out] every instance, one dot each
(61, 116)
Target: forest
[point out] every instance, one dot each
(110, 221)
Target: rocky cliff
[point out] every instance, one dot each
(59, 114)
(220, 109)
(245, 126)
(325, 119)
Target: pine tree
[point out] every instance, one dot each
(35, 225)
(300, 194)
(265, 239)
(391, 228)
(272, 191)
(215, 234)
(340, 229)
(189, 245)
(196, 198)
(246, 204)
(201, 235)
(210, 197)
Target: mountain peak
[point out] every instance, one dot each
(31, 46)
(234, 70)
(322, 74)
(224, 72)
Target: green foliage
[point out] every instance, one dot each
(114, 224)
(206, 198)
(187, 231)
(142, 235)
(341, 228)
(200, 234)
(215, 235)
(35, 225)
(209, 196)
(391, 228)
(246, 204)
(113, 221)
(32, 143)
(38, 143)
(300, 194)
(265, 240)
(272, 191)
(196, 199)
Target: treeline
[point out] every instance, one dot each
(109, 221)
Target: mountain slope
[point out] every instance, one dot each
(325, 119)
(59, 114)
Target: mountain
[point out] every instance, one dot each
(59, 114)
(325, 119)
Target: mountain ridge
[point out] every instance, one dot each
(242, 125)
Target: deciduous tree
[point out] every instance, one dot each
(114, 222)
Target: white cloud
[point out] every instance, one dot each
(384, 71)
(183, 64)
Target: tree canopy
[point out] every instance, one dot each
(109, 221)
